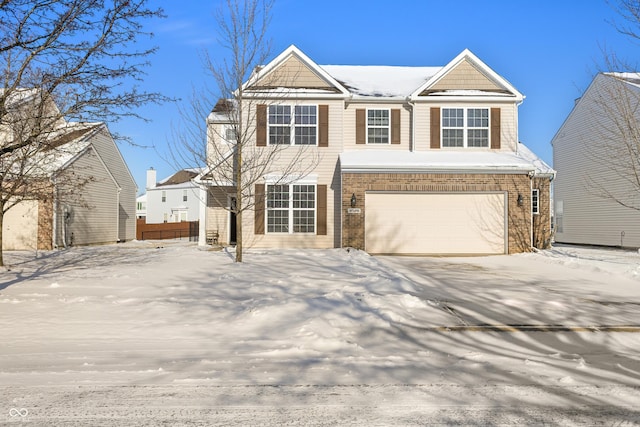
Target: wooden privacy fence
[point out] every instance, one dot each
(168, 230)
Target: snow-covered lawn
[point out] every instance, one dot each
(153, 332)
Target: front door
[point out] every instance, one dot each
(232, 221)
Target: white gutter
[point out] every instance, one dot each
(437, 170)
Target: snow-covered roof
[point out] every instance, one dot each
(67, 143)
(381, 80)
(541, 167)
(632, 78)
(441, 161)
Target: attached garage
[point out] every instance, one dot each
(435, 223)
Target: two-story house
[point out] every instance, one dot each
(596, 154)
(90, 191)
(175, 198)
(410, 160)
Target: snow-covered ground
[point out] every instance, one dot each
(146, 333)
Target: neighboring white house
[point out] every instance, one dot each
(595, 152)
(141, 206)
(174, 199)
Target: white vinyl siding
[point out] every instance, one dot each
(587, 217)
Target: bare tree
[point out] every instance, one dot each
(234, 160)
(63, 60)
(614, 100)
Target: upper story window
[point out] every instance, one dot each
(184, 195)
(230, 135)
(535, 201)
(293, 125)
(164, 196)
(378, 126)
(465, 127)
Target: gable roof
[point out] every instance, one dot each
(504, 87)
(260, 83)
(294, 73)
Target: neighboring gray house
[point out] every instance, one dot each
(174, 199)
(595, 151)
(104, 212)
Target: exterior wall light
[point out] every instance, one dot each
(520, 200)
(353, 200)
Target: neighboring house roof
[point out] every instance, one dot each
(443, 161)
(181, 179)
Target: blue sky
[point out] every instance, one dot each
(548, 49)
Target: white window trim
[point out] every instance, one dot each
(535, 206)
(388, 127)
(465, 127)
(290, 208)
(292, 124)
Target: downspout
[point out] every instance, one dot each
(54, 231)
(118, 215)
(202, 215)
(531, 176)
(412, 142)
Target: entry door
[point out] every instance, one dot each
(233, 238)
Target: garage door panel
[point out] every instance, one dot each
(414, 223)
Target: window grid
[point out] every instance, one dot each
(301, 128)
(291, 208)
(278, 208)
(535, 201)
(378, 125)
(184, 195)
(304, 203)
(456, 132)
(279, 124)
(305, 128)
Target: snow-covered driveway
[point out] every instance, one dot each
(149, 333)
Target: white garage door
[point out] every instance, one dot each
(418, 223)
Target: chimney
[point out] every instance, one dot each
(151, 178)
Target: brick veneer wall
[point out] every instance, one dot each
(45, 224)
(542, 221)
(519, 217)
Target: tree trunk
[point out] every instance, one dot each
(1, 226)
(239, 202)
